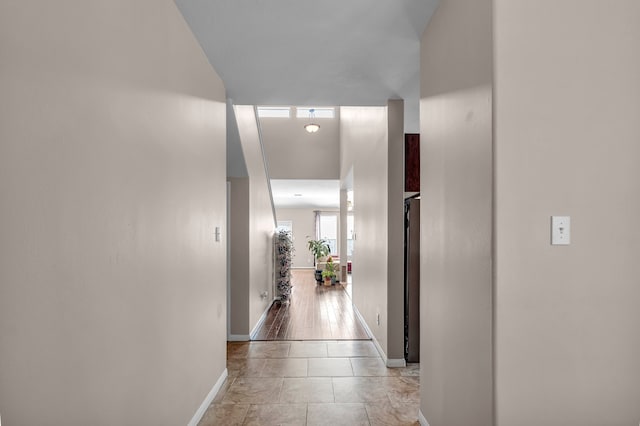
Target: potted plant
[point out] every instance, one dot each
(320, 249)
(329, 272)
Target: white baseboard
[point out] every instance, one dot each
(370, 333)
(238, 338)
(396, 363)
(391, 363)
(207, 401)
(383, 355)
(363, 322)
(260, 321)
(423, 421)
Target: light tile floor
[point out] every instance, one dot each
(314, 383)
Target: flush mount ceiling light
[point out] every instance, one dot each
(312, 127)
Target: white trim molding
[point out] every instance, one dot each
(238, 338)
(396, 363)
(391, 363)
(364, 323)
(207, 401)
(423, 421)
(260, 321)
(370, 333)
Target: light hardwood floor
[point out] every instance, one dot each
(315, 312)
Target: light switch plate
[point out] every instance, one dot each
(560, 230)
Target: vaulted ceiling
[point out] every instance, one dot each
(324, 52)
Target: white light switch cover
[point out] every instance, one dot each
(560, 230)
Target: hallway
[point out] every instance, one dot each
(316, 312)
(319, 367)
(313, 383)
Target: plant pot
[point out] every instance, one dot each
(327, 282)
(334, 280)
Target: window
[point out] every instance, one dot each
(274, 112)
(329, 230)
(305, 112)
(285, 225)
(350, 231)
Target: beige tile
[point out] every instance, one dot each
(402, 390)
(245, 367)
(285, 367)
(251, 390)
(410, 370)
(268, 350)
(307, 389)
(223, 389)
(308, 350)
(352, 348)
(359, 389)
(372, 367)
(277, 415)
(224, 415)
(337, 415)
(237, 349)
(324, 367)
(386, 414)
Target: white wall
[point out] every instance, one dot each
(304, 229)
(567, 102)
(363, 135)
(112, 172)
(239, 258)
(293, 153)
(456, 216)
(395, 229)
(261, 224)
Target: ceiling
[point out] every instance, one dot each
(319, 194)
(326, 52)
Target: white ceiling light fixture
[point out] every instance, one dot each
(312, 127)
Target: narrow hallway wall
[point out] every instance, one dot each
(112, 176)
(363, 138)
(261, 219)
(456, 215)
